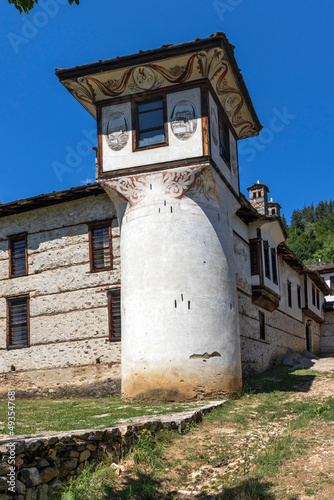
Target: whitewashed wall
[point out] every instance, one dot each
(177, 149)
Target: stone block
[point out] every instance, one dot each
(49, 473)
(84, 456)
(30, 476)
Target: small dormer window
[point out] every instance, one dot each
(151, 124)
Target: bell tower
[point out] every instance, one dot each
(168, 123)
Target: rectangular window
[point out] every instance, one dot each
(318, 300)
(299, 299)
(253, 248)
(18, 322)
(151, 124)
(313, 295)
(114, 310)
(266, 259)
(18, 257)
(289, 295)
(224, 141)
(274, 266)
(101, 257)
(262, 325)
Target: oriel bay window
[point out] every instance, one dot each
(100, 244)
(114, 312)
(18, 256)
(18, 322)
(150, 124)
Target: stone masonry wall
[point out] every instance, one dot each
(327, 333)
(68, 303)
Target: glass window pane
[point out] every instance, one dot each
(152, 137)
(150, 105)
(151, 120)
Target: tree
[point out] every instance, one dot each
(27, 5)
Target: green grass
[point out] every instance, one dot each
(70, 414)
(266, 424)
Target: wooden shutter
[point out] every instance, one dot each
(18, 322)
(100, 248)
(114, 306)
(18, 256)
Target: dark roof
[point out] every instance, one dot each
(164, 52)
(321, 267)
(257, 185)
(54, 198)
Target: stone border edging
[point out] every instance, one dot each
(44, 461)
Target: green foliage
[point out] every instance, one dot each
(27, 5)
(311, 232)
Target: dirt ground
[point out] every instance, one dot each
(220, 460)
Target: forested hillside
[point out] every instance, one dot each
(311, 232)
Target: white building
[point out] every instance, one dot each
(208, 285)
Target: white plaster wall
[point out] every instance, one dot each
(176, 150)
(179, 297)
(312, 307)
(288, 274)
(68, 303)
(231, 174)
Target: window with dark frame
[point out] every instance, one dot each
(318, 299)
(266, 259)
(18, 261)
(253, 248)
(313, 295)
(114, 311)
(224, 141)
(151, 124)
(289, 295)
(18, 322)
(274, 266)
(262, 325)
(101, 257)
(332, 284)
(299, 298)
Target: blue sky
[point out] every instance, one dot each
(284, 50)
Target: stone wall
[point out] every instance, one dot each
(42, 463)
(68, 303)
(327, 333)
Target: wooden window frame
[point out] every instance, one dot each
(227, 156)
(318, 298)
(262, 325)
(266, 258)
(255, 251)
(135, 122)
(299, 296)
(274, 267)
(10, 301)
(313, 295)
(289, 288)
(11, 240)
(110, 293)
(100, 225)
